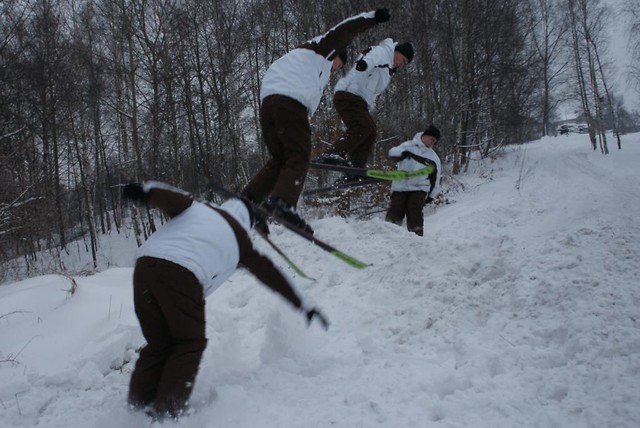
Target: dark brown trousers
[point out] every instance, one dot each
(287, 135)
(169, 304)
(359, 138)
(408, 204)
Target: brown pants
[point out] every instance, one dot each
(360, 136)
(169, 304)
(408, 204)
(287, 135)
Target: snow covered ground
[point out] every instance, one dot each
(519, 308)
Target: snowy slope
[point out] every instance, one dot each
(519, 307)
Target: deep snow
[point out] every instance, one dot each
(519, 308)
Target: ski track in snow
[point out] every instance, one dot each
(519, 307)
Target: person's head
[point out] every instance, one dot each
(430, 136)
(339, 61)
(402, 55)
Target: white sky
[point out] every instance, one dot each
(619, 46)
(519, 308)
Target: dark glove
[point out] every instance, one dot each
(134, 191)
(261, 224)
(382, 15)
(429, 200)
(315, 313)
(361, 65)
(406, 154)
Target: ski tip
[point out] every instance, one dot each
(351, 261)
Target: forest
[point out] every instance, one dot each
(99, 93)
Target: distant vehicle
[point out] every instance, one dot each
(568, 128)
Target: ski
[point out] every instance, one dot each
(375, 173)
(351, 261)
(290, 262)
(343, 185)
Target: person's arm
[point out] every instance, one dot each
(334, 41)
(434, 179)
(155, 194)
(266, 272)
(374, 57)
(396, 153)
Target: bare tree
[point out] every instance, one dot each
(587, 21)
(97, 93)
(632, 11)
(547, 28)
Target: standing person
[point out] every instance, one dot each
(184, 261)
(355, 97)
(409, 196)
(290, 93)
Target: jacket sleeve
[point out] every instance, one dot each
(331, 43)
(261, 266)
(376, 57)
(172, 201)
(434, 179)
(266, 272)
(396, 152)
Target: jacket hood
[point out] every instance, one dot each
(238, 211)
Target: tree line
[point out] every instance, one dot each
(98, 93)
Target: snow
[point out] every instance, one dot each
(519, 308)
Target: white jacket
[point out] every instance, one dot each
(304, 72)
(415, 146)
(301, 74)
(186, 240)
(370, 83)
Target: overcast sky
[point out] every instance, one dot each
(619, 45)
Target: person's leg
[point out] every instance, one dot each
(396, 211)
(361, 155)
(415, 216)
(181, 298)
(358, 139)
(148, 370)
(262, 184)
(291, 125)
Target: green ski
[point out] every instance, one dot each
(351, 261)
(376, 173)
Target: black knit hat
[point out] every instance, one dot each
(405, 49)
(343, 56)
(433, 132)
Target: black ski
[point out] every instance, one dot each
(351, 261)
(341, 185)
(375, 173)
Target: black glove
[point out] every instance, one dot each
(134, 191)
(361, 65)
(382, 15)
(315, 313)
(429, 200)
(261, 224)
(406, 154)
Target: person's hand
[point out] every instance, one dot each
(429, 200)
(133, 191)
(315, 313)
(361, 65)
(382, 15)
